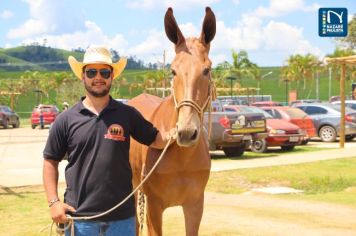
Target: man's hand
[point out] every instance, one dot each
(58, 212)
(172, 133)
(163, 137)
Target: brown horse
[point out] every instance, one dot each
(181, 176)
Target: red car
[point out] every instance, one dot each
(280, 132)
(266, 104)
(295, 116)
(48, 113)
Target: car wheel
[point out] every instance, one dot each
(349, 137)
(327, 133)
(234, 151)
(33, 126)
(6, 124)
(17, 124)
(305, 141)
(259, 146)
(287, 148)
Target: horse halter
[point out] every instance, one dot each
(193, 104)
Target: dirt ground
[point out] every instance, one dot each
(224, 214)
(260, 214)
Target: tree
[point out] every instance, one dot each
(241, 65)
(220, 73)
(350, 70)
(350, 39)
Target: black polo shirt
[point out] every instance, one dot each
(98, 174)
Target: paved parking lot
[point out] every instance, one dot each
(21, 157)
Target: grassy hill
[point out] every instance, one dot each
(35, 58)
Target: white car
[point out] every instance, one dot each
(348, 103)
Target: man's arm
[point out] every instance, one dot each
(50, 182)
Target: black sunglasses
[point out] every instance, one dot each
(91, 73)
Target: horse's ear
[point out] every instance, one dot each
(209, 26)
(171, 27)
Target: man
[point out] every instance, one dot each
(95, 133)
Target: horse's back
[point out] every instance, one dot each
(146, 104)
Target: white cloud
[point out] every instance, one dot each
(48, 16)
(30, 27)
(151, 48)
(182, 4)
(91, 35)
(244, 35)
(257, 37)
(292, 41)
(236, 2)
(279, 8)
(6, 14)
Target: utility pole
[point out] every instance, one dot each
(317, 85)
(164, 73)
(330, 71)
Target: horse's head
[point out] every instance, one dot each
(191, 85)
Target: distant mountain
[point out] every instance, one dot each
(42, 58)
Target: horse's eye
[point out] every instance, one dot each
(206, 71)
(173, 72)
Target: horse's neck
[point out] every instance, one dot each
(165, 116)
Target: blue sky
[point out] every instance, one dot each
(270, 30)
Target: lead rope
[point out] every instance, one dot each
(71, 219)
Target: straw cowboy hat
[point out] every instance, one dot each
(96, 55)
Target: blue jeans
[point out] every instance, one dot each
(126, 227)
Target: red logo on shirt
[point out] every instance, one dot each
(115, 132)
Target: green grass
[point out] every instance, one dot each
(270, 153)
(23, 211)
(330, 181)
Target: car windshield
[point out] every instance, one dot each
(295, 113)
(256, 110)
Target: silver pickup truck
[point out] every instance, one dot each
(232, 132)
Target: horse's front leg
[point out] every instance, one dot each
(193, 212)
(154, 216)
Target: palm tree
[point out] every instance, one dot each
(241, 65)
(220, 73)
(299, 68)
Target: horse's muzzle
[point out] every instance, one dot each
(187, 136)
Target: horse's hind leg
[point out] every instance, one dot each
(193, 213)
(154, 217)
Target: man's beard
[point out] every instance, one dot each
(97, 94)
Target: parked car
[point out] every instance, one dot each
(8, 117)
(280, 132)
(232, 132)
(266, 103)
(48, 113)
(123, 100)
(348, 103)
(232, 101)
(326, 118)
(216, 106)
(297, 102)
(295, 116)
